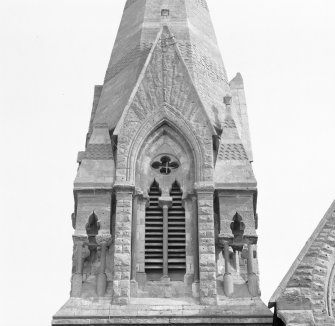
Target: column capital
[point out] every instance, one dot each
(165, 201)
(125, 187)
(204, 187)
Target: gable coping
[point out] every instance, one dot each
(142, 75)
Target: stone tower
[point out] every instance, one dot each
(165, 196)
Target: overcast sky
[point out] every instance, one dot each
(54, 52)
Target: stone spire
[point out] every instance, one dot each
(149, 233)
(189, 21)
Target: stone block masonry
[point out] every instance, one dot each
(207, 262)
(165, 169)
(122, 256)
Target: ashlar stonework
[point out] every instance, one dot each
(165, 196)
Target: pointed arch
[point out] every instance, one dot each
(165, 141)
(196, 136)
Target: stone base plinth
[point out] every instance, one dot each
(155, 311)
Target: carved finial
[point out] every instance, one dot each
(227, 100)
(93, 225)
(237, 226)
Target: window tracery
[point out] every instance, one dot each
(165, 165)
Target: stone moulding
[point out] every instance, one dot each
(138, 121)
(175, 120)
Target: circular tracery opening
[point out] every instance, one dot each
(165, 164)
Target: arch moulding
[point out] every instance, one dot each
(135, 132)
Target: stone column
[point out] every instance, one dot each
(133, 239)
(252, 277)
(191, 236)
(122, 255)
(77, 278)
(139, 238)
(102, 277)
(195, 232)
(165, 243)
(237, 261)
(228, 284)
(165, 203)
(207, 263)
(134, 243)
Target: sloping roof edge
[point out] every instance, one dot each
(138, 83)
(282, 286)
(209, 122)
(142, 75)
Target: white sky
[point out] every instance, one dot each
(52, 54)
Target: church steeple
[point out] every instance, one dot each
(189, 21)
(166, 182)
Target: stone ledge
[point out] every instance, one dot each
(160, 312)
(156, 321)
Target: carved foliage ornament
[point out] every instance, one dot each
(181, 109)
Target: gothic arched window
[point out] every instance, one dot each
(165, 235)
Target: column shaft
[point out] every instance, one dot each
(196, 239)
(102, 277)
(79, 269)
(252, 277)
(165, 242)
(77, 277)
(228, 284)
(133, 239)
(103, 257)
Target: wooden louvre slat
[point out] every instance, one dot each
(176, 232)
(176, 260)
(154, 232)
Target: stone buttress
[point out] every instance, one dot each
(165, 196)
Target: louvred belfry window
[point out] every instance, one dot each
(176, 234)
(154, 235)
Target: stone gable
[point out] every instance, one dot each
(306, 295)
